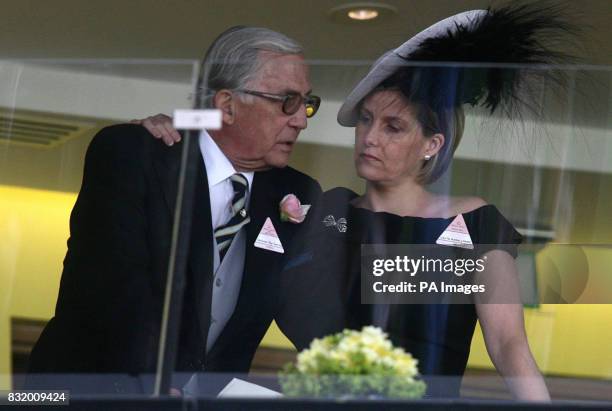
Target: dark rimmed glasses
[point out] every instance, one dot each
(291, 102)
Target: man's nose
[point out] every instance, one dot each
(299, 118)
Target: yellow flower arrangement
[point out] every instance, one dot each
(353, 363)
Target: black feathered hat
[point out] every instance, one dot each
(510, 35)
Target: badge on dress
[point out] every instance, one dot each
(268, 238)
(456, 234)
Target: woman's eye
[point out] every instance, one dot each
(393, 129)
(363, 118)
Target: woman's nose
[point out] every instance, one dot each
(371, 137)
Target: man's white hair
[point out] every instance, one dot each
(234, 59)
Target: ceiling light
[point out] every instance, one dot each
(361, 12)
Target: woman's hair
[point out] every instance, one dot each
(432, 94)
(448, 122)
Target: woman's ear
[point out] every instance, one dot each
(434, 145)
(224, 101)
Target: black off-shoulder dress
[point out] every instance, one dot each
(322, 284)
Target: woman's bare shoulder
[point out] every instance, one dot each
(461, 205)
(446, 206)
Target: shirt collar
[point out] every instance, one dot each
(218, 166)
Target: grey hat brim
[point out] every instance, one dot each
(386, 65)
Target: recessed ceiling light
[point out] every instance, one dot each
(361, 12)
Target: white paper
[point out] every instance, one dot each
(240, 388)
(456, 234)
(197, 119)
(268, 238)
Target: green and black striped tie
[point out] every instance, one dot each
(225, 234)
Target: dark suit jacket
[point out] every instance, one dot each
(108, 313)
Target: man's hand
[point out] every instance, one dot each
(160, 126)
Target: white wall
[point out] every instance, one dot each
(40, 88)
(56, 90)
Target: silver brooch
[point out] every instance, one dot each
(330, 221)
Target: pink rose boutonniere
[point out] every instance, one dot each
(292, 210)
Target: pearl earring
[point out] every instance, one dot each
(427, 157)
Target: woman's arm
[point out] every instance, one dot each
(504, 330)
(160, 126)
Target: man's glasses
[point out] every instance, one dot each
(291, 101)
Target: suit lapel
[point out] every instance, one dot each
(261, 266)
(201, 251)
(200, 265)
(264, 204)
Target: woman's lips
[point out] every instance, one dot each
(369, 157)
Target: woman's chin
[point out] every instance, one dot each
(362, 171)
(368, 174)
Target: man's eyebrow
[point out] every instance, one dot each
(292, 91)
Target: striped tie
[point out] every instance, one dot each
(225, 233)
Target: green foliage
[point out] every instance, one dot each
(353, 363)
(334, 386)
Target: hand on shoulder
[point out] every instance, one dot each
(161, 127)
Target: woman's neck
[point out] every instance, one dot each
(406, 199)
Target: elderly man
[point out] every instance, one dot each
(109, 308)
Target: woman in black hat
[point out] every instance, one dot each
(408, 121)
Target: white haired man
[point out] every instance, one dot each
(110, 302)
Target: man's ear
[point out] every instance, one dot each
(224, 100)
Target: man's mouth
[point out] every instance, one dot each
(286, 145)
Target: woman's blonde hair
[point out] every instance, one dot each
(448, 122)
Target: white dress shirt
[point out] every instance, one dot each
(228, 273)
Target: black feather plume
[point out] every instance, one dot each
(515, 34)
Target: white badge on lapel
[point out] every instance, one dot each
(456, 234)
(268, 239)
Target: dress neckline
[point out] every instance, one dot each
(353, 195)
(385, 213)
